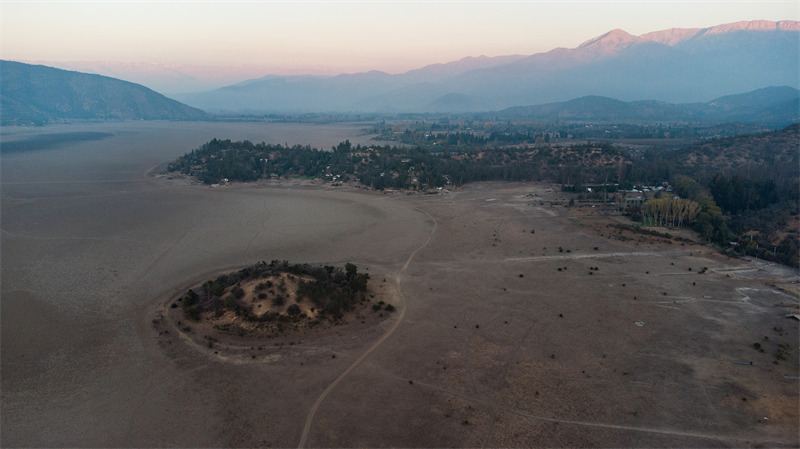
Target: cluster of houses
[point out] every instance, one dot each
(635, 197)
(638, 195)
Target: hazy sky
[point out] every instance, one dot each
(392, 36)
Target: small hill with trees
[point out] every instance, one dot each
(265, 299)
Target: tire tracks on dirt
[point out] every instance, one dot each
(735, 440)
(401, 302)
(583, 256)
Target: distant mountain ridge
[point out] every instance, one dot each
(772, 106)
(677, 36)
(34, 94)
(677, 66)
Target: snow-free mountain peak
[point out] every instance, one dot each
(755, 25)
(675, 36)
(611, 40)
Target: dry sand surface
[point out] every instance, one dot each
(500, 338)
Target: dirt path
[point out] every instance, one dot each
(584, 256)
(734, 440)
(401, 304)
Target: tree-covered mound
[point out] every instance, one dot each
(265, 296)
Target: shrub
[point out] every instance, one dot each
(238, 292)
(193, 312)
(293, 310)
(190, 298)
(217, 289)
(230, 302)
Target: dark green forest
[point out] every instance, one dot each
(403, 167)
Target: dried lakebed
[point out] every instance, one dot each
(518, 321)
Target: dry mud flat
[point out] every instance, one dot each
(500, 338)
(90, 245)
(575, 334)
(609, 341)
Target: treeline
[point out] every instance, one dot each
(709, 221)
(736, 193)
(491, 130)
(668, 211)
(754, 182)
(402, 167)
(245, 161)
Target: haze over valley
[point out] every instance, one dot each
(676, 66)
(291, 226)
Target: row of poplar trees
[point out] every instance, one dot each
(668, 211)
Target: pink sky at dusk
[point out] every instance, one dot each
(392, 36)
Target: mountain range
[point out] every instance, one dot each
(603, 79)
(774, 107)
(676, 65)
(180, 78)
(35, 94)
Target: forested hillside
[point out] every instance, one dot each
(755, 181)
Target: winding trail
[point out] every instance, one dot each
(401, 302)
